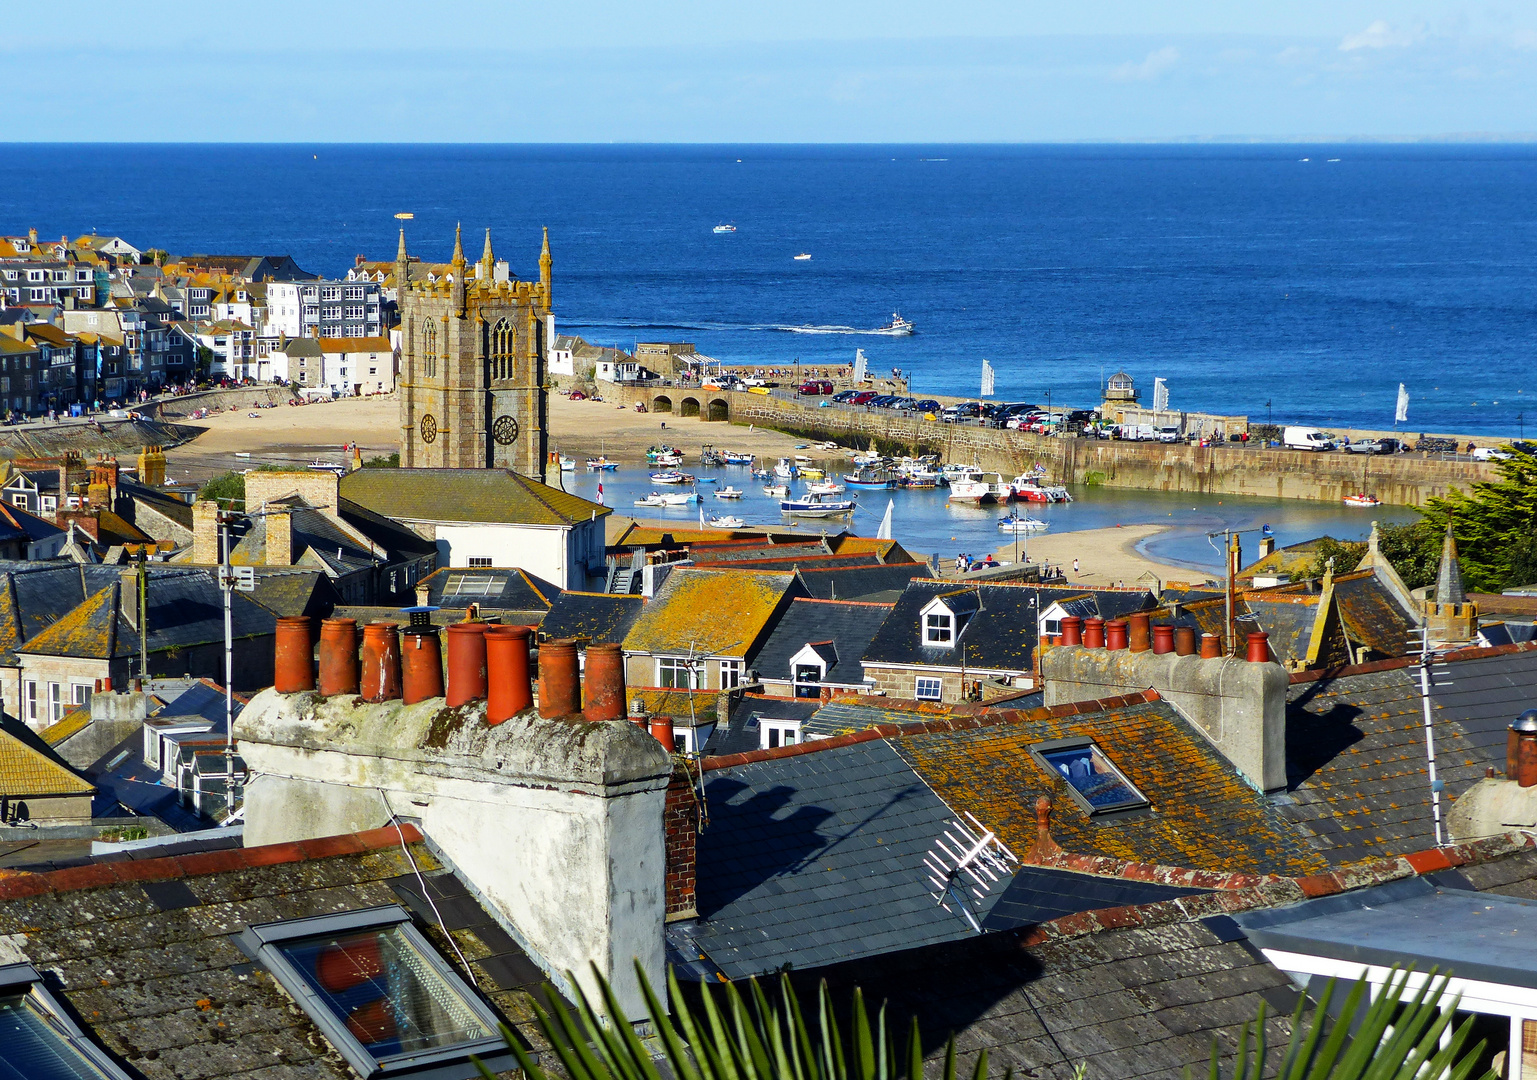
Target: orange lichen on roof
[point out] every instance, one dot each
(27, 772)
(88, 631)
(72, 724)
(1203, 814)
(708, 612)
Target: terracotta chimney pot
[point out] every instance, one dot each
(1139, 637)
(1211, 647)
(1115, 634)
(508, 689)
(293, 667)
(1094, 632)
(603, 691)
(338, 657)
(421, 664)
(1072, 630)
(1184, 640)
(559, 688)
(466, 663)
(1163, 640)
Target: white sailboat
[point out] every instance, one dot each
(884, 532)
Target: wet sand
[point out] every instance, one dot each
(1105, 556)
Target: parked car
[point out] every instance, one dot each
(843, 396)
(864, 397)
(1490, 453)
(1363, 446)
(1306, 438)
(928, 405)
(816, 386)
(754, 380)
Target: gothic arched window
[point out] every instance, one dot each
(502, 339)
(430, 350)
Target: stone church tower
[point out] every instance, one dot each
(472, 365)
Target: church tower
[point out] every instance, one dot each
(1451, 619)
(472, 363)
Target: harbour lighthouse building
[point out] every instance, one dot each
(472, 364)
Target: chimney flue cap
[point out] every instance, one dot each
(1527, 721)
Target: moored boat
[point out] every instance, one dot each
(726, 521)
(729, 493)
(868, 478)
(1362, 500)
(1015, 524)
(671, 476)
(785, 469)
(813, 505)
(825, 487)
(600, 463)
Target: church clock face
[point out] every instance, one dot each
(505, 430)
(429, 428)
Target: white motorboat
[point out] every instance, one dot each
(817, 506)
(671, 476)
(567, 464)
(1028, 486)
(972, 491)
(897, 326)
(734, 457)
(729, 493)
(679, 498)
(724, 229)
(826, 487)
(599, 464)
(726, 521)
(1016, 524)
(779, 490)
(785, 469)
(827, 446)
(803, 257)
(1362, 500)
(654, 499)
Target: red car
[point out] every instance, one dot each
(863, 398)
(816, 386)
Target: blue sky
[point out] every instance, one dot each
(788, 71)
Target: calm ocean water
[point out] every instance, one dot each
(1314, 278)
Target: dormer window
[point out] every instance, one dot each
(380, 993)
(939, 628)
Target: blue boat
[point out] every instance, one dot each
(869, 478)
(813, 505)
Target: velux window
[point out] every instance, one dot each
(38, 1041)
(381, 993)
(1095, 784)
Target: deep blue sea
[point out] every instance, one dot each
(1302, 282)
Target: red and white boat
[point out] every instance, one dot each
(1028, 486)
(1362, 500)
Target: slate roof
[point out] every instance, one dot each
(1355, 746)
(467, 495)
(29, 768)
(741, 733)
(586, 616)
(144, 952)
(845, 626)
(498, 588)
(712, 612)
(878, 583)
(1001, 636)
(816, 858)
(1203, 814)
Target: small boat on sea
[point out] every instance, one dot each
(598, 464)
(803, 257)
(671, 476)
(679, 498)
(567, 464)
(724, 229)
(868, 478)
(785, 469)
(810, 472)
(1028, 486)
(1016, 524)
(897, 327)
(729, 493)
(761, 474)
(327, 466)
(733, 457)
(779, 490)
(1361, 500)
(664, 455)
(817, 506)
(825, 487)
(977, 488)
(726, 521)
(654, 499)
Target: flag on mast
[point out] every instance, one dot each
(600, 492)
(884, 532)
(1401, 416)
(987, 379)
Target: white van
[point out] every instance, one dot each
(1305, 438)
(1168, 433)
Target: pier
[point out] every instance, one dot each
(1231, 469)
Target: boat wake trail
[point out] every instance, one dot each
(622, 324)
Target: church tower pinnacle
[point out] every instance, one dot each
(487, 261)
(545, 263)
(402, 266)
(459, 268)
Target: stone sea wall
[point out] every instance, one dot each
(1403, 479)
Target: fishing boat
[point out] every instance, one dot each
(970, 490)
(1028, 486)
(724, 229)
(598, 464)
(709, 456)
(950, 473)
(778, 490)
(817, 506)
(679, 498)
(762, 474)
(825, 487)
(567, 464)
(726, 521)
(898, 326)
(729, 493)
(785, 469)
(660, 455)
(733, 457)
(654, 499)
(1361, 500)
(811, 472)
(1016, 524)
(868, 478)
(803, 257)
(327, 466)
(671, 476)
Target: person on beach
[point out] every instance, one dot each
(1075, 566)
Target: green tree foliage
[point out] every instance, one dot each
(226, 489)
(1494, 525)
(1414, 550)
(383, 461)
(748, 1034)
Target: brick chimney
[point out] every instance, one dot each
(205, 533)
(680, 827)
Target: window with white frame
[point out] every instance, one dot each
(1052, 627)
(776, 733)
(331, 292)
(730, 674)
(808, 680)
(31, 702)
(675, 672)
(928, 688)
(939, 628)
(380, 993)
(55, 702)
(80, 694)
(40, 1040)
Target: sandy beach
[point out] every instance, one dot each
(1105, 556)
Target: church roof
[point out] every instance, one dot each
(492, 496)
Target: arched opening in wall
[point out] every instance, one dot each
(661, 403)
(688, 407)
(719, 410)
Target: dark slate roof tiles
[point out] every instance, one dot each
(847, 626)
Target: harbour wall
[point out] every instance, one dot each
(1400, 479)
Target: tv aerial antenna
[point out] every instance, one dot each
(963, 866)
(1434, 673)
